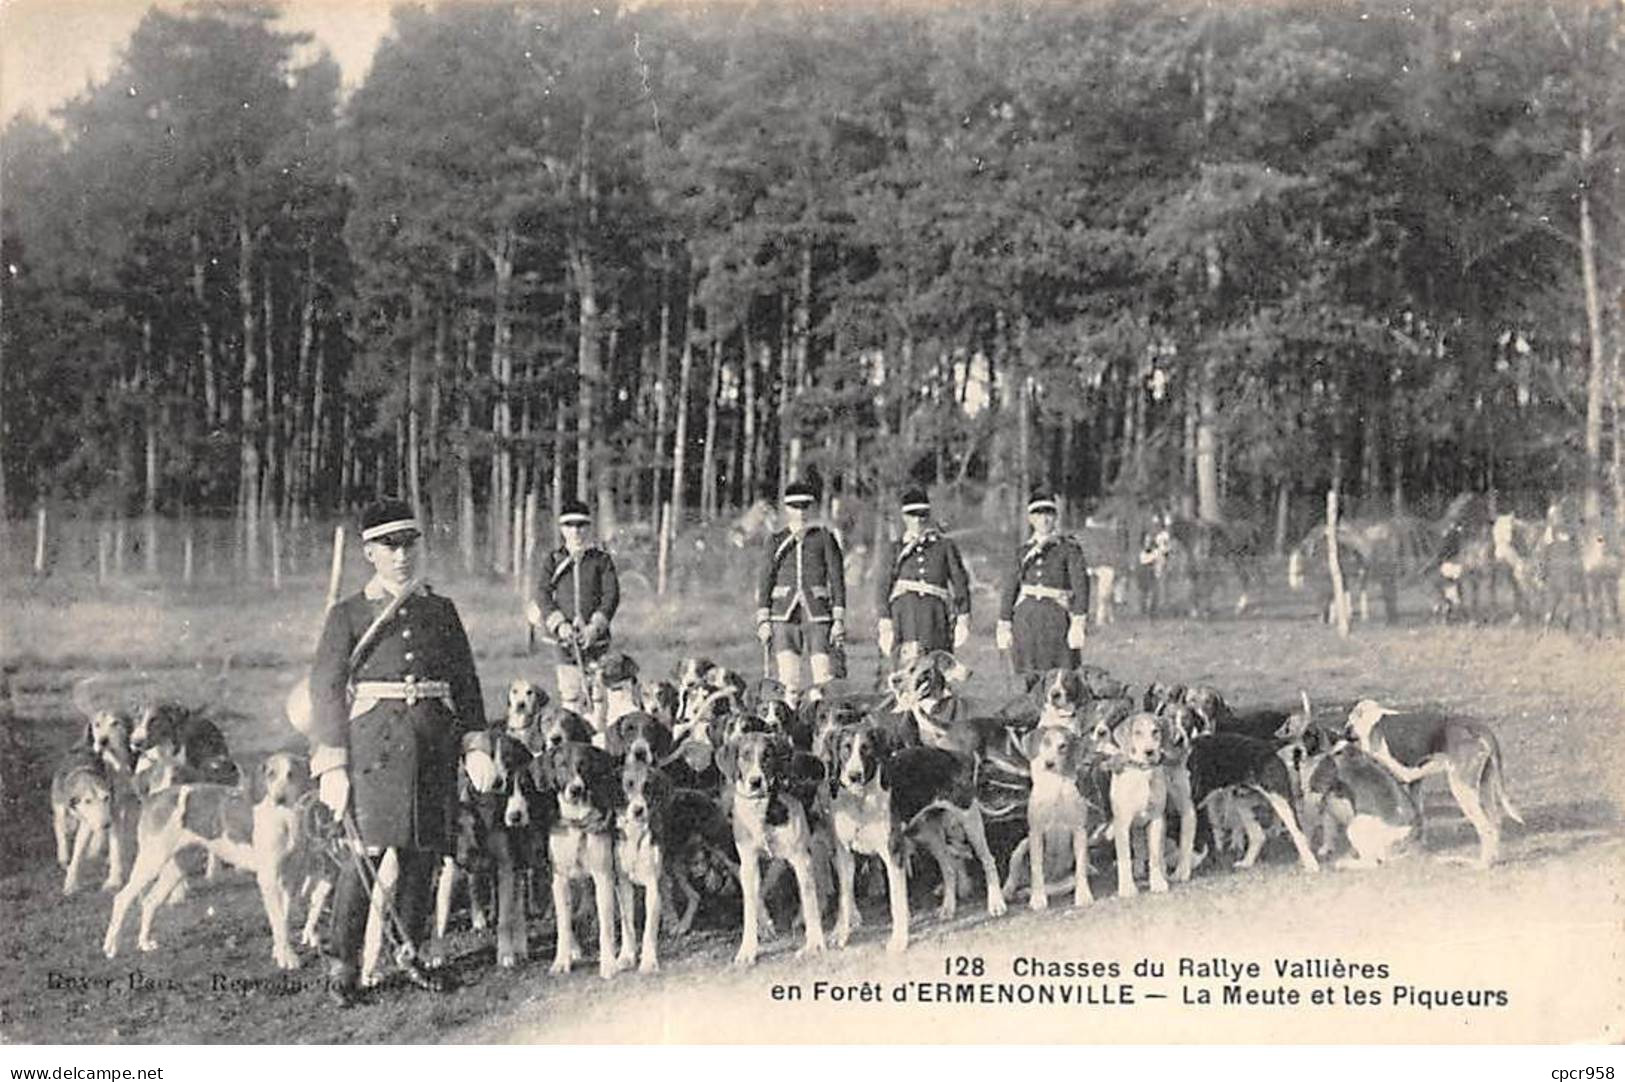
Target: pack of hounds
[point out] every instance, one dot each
(704, 791)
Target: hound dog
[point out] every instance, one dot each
(1376, 812)
(93, 801)
(1160, 696)
(585, 784)
(1226, 770)
(638, 737)
(1465, 752)
(197, 741)
(721, 693)
(776, 793)
(782, 718)
(494, 814)
(1100, 684)
(1232, 810)
(618, 674)
(262, 837)
(1061, 696)
(925, 692)
(662, 699)
(642, 840)
(1216, 716)
(522, 719)
(1132, 751)
(886, 797)
(558, 726)
(1061, 762)
(699, 849)
(1179, 726)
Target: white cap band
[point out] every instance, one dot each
(384, 529)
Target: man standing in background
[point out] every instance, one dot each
(1044, 605)
(923, 590)
(801, 598)
(577, 593)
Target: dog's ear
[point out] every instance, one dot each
(515, 756)
(1030, 743)
(660, 741)
(558, 766)
(615, 738)
(804, 767)
(727, 760)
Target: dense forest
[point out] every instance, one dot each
(679, 253)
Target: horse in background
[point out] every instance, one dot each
(1380, 550)
(1203, 551)
(1575, 568)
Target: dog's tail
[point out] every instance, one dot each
(1495, 781)
(1289, 820)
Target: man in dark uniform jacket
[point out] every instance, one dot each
(923, 588)
(801, 599)
(577, 593)
(393, 689)
(1044, 605)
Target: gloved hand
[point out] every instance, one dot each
(533, 614)
(1003, 637)
(1075, 634)
(597, 628)
(566, 633)
(333, 789)
(837, 631)
(961, 630)
(886, 636)
(764, 632)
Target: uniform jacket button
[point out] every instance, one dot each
(406, 633)
(409, 655)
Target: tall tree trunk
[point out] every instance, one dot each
(306, 390)
(249, 494)
(1024, 412)
(802, 330)
(708, 450)
(318, 402)
(149, 506)
(205, 334)
(679, 454)
(273, 416)
(588, 371)
(747, 462)
(787, 390)
(414, 391)
(662, 388)
(1207, 403)
(501, 492)
(467, 539)
(1187, 494)
(604, 473)
(1597, 370)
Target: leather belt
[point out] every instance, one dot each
(916, 586)
(1061, 597)
(367, 693)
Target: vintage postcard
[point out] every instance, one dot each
(858, 523)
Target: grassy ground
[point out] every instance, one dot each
(1544, 926)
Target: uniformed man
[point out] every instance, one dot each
(801, 600)
(924, 589)
(1044, 604)
(577, 593)
(392, 690)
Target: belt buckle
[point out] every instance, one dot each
(411, 692)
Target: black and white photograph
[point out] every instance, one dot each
(898, 522)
